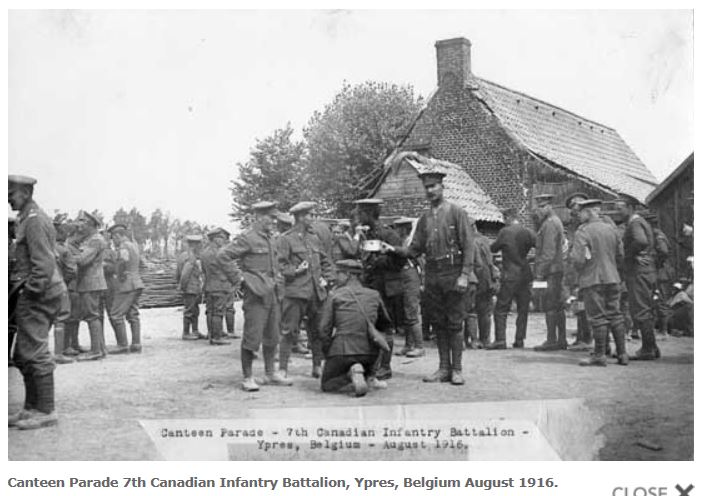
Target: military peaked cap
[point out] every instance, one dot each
(23, 180)
(546, 198)
(594, 202)
(285, 218)
(193, 238)
(303, 206)
(403, 220)
(262, 206)
(90, 217)
(364, 202)
(116, 226)
(574, 199)
(218, 231)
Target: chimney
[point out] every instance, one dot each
(453, 61)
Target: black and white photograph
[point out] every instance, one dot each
(350, 235)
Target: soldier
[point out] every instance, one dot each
(39, 290)
(67, 266)
(344, 246)
(127, 288)
(345, 317)
(548, 266)
(594, 256)
(664, 276)
(480, 316)
(217, 286)
(640, 273)
(444, 236)
(255, 250)
(189, 278)
(514, 241)
(284, 222)
(91, 284)
(307, 272)
(72, 323)
(583, 339)
(411, 295)
(13, 280)
(382, 272)
(229, 310)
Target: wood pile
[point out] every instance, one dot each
(160, 289)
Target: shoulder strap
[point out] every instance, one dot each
(359, 305)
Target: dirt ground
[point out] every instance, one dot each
(100, 402)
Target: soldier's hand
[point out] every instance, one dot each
(462, 283)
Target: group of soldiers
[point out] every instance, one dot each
(351, 287)
(61, 274)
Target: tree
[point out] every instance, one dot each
(137, 223)
(274, 171)
(352, 136)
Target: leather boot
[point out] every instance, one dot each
(457, 359)
(95, 353)
(187, 336)
(273, 377)
(384, 371)
(248, 384)
(551, 343)
(30, 402)
(285, 351)
(216, 337)
(415, 331)
(360, 386)
(619, 334)
(120, 329)
(648, 343)
(195, 328)
(229, 320)
(59, 341)
(560, 320)
(44, 415)
(135, 326)
(471, 333)
(443, 374)
(598, 358)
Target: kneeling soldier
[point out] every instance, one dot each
(346, 315)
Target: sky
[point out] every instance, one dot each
(154, 109)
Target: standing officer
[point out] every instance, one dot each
(382, 272)
(189, 280)
(411, 295)
(256, 252)
(480, 316)
(594, 256)
(583, 340)
(514, 241)
(305, 265)
(91, 282)
(640, 272)
(40, 289)
(548, 266)
(127, 288)
(345, 316)
(217, 286)
(445, 237)
(664, 275)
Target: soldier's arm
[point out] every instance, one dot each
(327, 268)
(619, 255)
(546, 248)
(639, 241)
(287, 266)
(382, 320)
(90, 251)
(41, 256)
(227, 257)
(496, 245)
(466, 237)
(580, 247)
(349, 247)
(418, 245)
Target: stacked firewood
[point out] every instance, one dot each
(160, 289)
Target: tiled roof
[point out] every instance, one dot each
(689, 161)
(459, 187)
(585, 147)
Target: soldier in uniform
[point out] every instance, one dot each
(344, 246)
(12, 288)
(255, 250)
(548, 266)
(127, 288)
(345, 316)
(594, 256)
(480, 316)
(40, 290)
(664, 276)
(189, 280)
(640, 272)
(67, 266)
(444, 236)
(583, 339)
(217, 285)
(383, 272)
(91, 284)
(72, 323)
(229, 310)
(411, 295)
(307, 271)
(514, 241)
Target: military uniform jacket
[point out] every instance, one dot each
(91, 276)
(216, 276)
(549, 248)
(664, 271)
(383, 271)
(483, 266)
(258, 259)
(343, 326)
(35, 253)
(67, 264)
(298, 245)
(127, 278)
(515, 241)
(188, 273)
(639, 248)
(345, 248)
(445, 237)
(595, 252)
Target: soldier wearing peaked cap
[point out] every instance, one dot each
(594, 255)
(307, 271)
(126, 288)
(39, 289)
(67, 265)
(229, 310)
(445, 237)
(256, 252)
(664, 275)
(217, 287)
(549, 266)
(345, 317)
(189, 278)
(91, 282)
